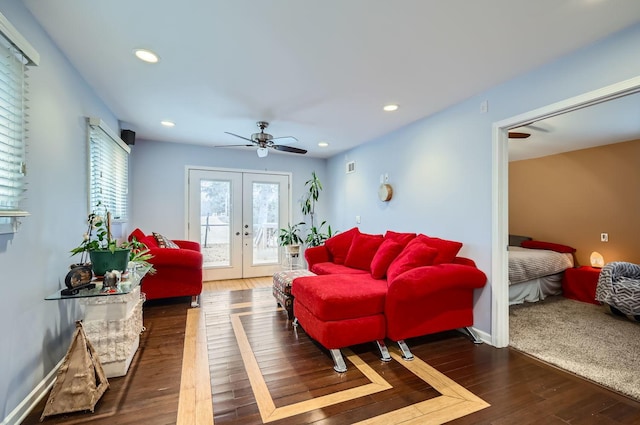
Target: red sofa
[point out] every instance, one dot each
(178, 265)
(372, 287)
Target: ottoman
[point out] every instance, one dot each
(282, 288)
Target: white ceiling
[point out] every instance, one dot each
(319, 71)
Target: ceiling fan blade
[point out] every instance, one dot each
(285, 139)
(232, 146)
(242, 137)
(289, 149)
(518, 135)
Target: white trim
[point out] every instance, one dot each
(500, 187)
(21, 411)
(97, 122)
(19, 41)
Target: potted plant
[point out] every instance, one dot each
(103, 250)
(316, 235)
(289, 237)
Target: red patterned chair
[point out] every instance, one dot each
(369, 287)
(178, 265)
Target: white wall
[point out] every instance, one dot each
(158, 180)
(440, 167)
(34, 261)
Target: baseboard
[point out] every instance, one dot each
(485, 337)
(32, 399)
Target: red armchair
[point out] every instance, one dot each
(178, 270)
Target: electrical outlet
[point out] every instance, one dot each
(357, 219)
(484, 107)
(604, 237)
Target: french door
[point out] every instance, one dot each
(236, 216)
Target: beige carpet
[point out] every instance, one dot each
(582, 339)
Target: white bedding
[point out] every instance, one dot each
(527, 264)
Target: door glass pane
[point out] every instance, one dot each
(265, 222)
(215, 226)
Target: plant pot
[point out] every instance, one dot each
(292, 249)
(104, 261)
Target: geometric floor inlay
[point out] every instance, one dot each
(453, 402)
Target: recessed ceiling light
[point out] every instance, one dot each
(168, 123)
(146, 55)
(323, 144)
(390, 107)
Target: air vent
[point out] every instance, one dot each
(351, 167)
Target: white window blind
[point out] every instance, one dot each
(13, 119)
(108, 170)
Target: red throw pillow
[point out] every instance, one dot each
(401, 238)
(387, 252)
(415, 254)
(363, 248)
(447, 250)
(548, 245)
(338, 245)
(138, 234)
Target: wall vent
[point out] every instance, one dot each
(351, 167)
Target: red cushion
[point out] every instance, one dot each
(363, 248)
(415, 254)
(339, 245)
(387, 252)
(447, 250)
(333, 268)
(138, 234)
(340, 297)
(149, 241)
(548, 245)
(402, 238)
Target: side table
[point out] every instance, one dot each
(112, 321)
(580, 283)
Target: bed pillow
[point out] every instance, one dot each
(363, 248)
(387, 252)
(447, 250)
(415, 254)
(338, 245)
(516, 240)
(549, 246)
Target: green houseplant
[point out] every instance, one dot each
(103, 250)
(289, 237)
(316, 235)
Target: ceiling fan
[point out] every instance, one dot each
(265, 141)
(518, 135)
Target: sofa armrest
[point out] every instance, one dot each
(427, 280)
(169, 257)
(316, 254)
(194, 246)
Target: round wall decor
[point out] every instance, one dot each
(385, 192)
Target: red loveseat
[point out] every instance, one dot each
(178, 265)
(372, 287)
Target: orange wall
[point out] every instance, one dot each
(571, 198)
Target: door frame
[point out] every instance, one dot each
(500, 193)
(188, 168)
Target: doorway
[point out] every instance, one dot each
(236, 216)
(500, 201)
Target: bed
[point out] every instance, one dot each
(536, 269)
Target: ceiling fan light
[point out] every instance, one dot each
(146, 55)
(262, 152)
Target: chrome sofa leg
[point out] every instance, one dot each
(471, 334)
(295, 322)
(338, 360)
(195, 301)
(383, 351)
(406, 353)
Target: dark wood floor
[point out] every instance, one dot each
(519, 389)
